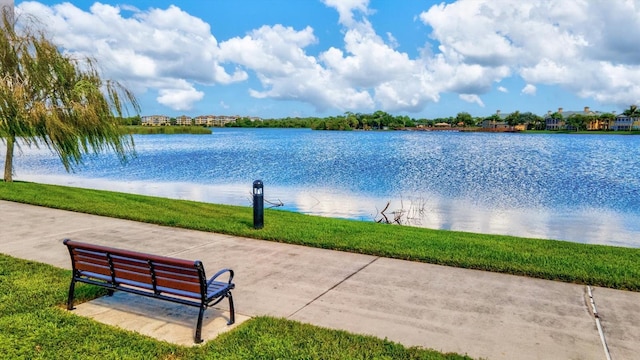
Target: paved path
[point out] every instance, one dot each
(482, 314)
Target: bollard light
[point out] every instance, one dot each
(258, 205)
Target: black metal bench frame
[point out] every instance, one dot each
(171, 279)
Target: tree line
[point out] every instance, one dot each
(381, 120)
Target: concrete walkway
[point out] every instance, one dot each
(478, 313)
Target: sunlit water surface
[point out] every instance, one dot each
(582, 188)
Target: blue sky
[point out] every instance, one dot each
(424, 59)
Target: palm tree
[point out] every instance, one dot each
(632, 111)
(50, 98)
(607, 119)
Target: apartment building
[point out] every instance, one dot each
(155, 120)
(215, 120)
(184, 120)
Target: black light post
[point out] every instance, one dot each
(258, 205)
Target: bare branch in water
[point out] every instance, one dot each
(384, 218)
(412, 215)
(274, 203)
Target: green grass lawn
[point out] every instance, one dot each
(35, 325)
(598, 265)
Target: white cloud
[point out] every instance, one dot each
(182, 97)
(368, 61)
(346, 9)
(393, 42)
(529, 89)
(166, 50)
(271, 50)
(471, 98)
(286, 72)
(583, 46)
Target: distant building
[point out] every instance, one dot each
(202, 120)
(215, 120)
(501, 124)
(552, 123)
(155, 120)
(496, 124)
(184, 120)
(626, 123)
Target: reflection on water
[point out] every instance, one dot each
(568, 187)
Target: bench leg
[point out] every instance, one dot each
(232, 311)
(70, 298)
(198, 338)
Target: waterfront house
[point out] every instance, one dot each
(626, 123)
(492, 123)
(499, 123)
(560, 122)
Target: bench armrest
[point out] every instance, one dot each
(213, 278)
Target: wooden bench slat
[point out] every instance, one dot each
(104, 270)
(142, 278)
(176, 269)
(130, 254)
(133, 283)
(180, 285)
(181, 293)
(136, 267)
(92, 257)
(129, 262)
(178, 276)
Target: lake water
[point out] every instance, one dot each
(582, 188)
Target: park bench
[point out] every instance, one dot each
(159, 277)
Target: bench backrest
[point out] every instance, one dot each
(153, 273)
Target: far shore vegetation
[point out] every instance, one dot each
(597, 265)
(34, 325)
(569, 122)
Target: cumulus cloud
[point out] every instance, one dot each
(347, 8)
(472, 98)
(276, 53)
(366, 75)
(579, 45)
(529, 89)
(166, 50)
(179, 99)
(586, 47)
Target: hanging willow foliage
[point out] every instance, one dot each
(51, 98)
